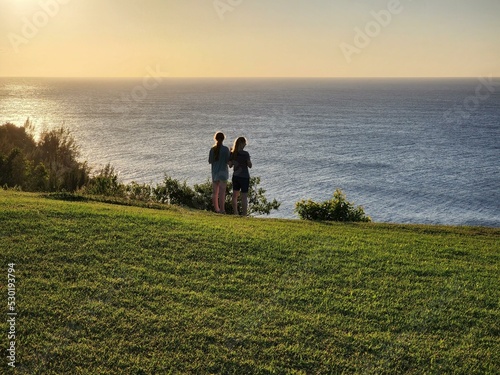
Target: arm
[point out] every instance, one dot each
(249, 162)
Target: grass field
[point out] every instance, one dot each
(107, 289)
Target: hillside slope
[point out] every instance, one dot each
(106, 289)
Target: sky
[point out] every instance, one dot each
(250, 38)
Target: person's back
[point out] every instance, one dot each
(240, 161)
(220, 170)
(240, 164)
(218, 158)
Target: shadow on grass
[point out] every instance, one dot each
(75, 197)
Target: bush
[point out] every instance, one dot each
(335, 209)
(38, 177)
(257, 201)
(139, 192)
(104, 182)
(200, 196)
(174, 192)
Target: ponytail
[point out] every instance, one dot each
(216, 149)
(219, 138)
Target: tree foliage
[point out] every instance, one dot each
(51, 164)
(12, 137)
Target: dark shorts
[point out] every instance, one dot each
(241, 183)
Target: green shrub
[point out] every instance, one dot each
(105, 182)
(336, 209)
(203, 197)
(174, 192)
(139, 192)
(257, 201)
(200, 196)
(38, 177)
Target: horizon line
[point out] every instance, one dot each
(258, 77)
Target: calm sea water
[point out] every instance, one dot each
(408, 150)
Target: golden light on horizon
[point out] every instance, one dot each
(251, 39)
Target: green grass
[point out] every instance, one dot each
(107, 289)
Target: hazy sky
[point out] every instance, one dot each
(248, 38)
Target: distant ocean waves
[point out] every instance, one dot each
(409, 151)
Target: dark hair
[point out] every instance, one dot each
(219, 138)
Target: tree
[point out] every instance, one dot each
(51, 164)
(13, 169)
(12, 136)
(58, 150)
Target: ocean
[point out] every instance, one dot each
(407, 150)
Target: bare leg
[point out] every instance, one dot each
(235, 202)
(215, 195)
(244, 203)
(222, 196)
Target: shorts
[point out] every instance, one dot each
(241, 183)
(220, 176)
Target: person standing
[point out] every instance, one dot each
(240, 161)
(218, 157)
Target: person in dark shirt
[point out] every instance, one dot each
(240, 161)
